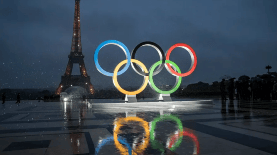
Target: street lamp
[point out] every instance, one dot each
(268, 68)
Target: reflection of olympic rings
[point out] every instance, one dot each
(119, 123)
(144, 71)
(173, 142)
(111, 139)
(185, 133)
(157, 145)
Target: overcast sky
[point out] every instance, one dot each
(232, 37)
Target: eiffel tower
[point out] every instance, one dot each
(75, 56)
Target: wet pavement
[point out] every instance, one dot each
(147, 127)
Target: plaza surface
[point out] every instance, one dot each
(77, 127)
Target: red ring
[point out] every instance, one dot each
(185, 133)
(191, 51)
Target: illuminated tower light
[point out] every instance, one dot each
(76, 41)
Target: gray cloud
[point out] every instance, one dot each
(229, 37)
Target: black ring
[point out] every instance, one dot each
(159, 50)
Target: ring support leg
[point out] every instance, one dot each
(165, 97)
(130, 98)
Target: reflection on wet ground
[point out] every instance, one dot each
(97, 127)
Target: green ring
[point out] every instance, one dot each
(156, 144)
(151, 81)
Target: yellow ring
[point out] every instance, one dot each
(119, 123)
(115, 82)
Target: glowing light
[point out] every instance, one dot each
(64, 107)
(65, 99)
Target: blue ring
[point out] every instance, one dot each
(122, 46)
(111, 139)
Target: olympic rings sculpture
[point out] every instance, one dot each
(140, 68)
(111, 139)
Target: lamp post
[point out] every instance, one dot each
(268, 68)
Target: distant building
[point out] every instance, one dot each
(198, 87)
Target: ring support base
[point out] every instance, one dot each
(130, 98)
(165, 97)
